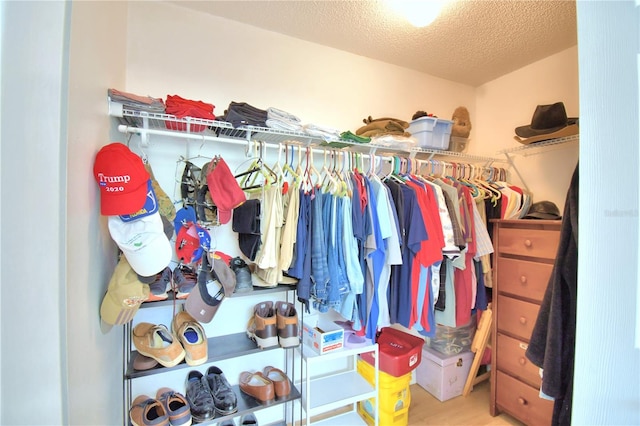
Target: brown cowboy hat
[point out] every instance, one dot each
(548, 122)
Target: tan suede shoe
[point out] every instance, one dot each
(192, 337)
(156, 342)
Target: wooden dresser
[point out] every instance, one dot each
(524, 255)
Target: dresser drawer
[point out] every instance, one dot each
(516, 317)
(510, 359)
(522, 401)
(529, 242)
(524, 278)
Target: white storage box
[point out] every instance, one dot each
(321, 335)
(431, 132)
(443, 376)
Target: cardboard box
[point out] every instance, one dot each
(443, 376)
(321, 335)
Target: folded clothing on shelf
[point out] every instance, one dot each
(181, 107)
(244, 114)
(383, 126)
(324, 132)
(137, 102)
(282, 120)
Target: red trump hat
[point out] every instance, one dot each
(122, 179)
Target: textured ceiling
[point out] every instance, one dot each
(472, 42)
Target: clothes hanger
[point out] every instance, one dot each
(257, 168)
(288, 168)
(254, 166)
(328, 182)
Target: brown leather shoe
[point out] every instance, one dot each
(262, 326)
(256, 385)
(287, 322)
(280, 381)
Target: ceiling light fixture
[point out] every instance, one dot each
(419, 13)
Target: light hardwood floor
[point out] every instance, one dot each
(473, 410)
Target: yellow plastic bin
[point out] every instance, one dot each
(394, 397)
(399, 418)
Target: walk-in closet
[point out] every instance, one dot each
(61, 59)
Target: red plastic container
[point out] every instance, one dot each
(399, 352)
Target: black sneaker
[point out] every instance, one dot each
(224, 398)
(243, 275)
(199, 397)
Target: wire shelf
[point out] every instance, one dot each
(145, 123)
(539, 146)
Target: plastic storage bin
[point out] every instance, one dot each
(394, 395)
(458, 144)
(453, 340)
(431, 132)
(399, 418)
(394, 392)
(443, 376)
(399, 352)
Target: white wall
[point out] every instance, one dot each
(607, 365)
(217, 60)
(97, 62)
(509, 101)
(34, 103)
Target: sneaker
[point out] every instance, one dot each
(262, 325)
(199, 397)
(243, 275)
(147, 411)
(224, 398)
(160, 285)
(175, 405)
(156, 342)
(184, 280)
(192, 337)
(287, 320)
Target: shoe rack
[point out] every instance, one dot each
(322, 394)
(220, 348)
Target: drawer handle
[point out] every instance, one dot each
(522, 361)
(528, 243)
(523, 320)
(522, 401)
(523, 279)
